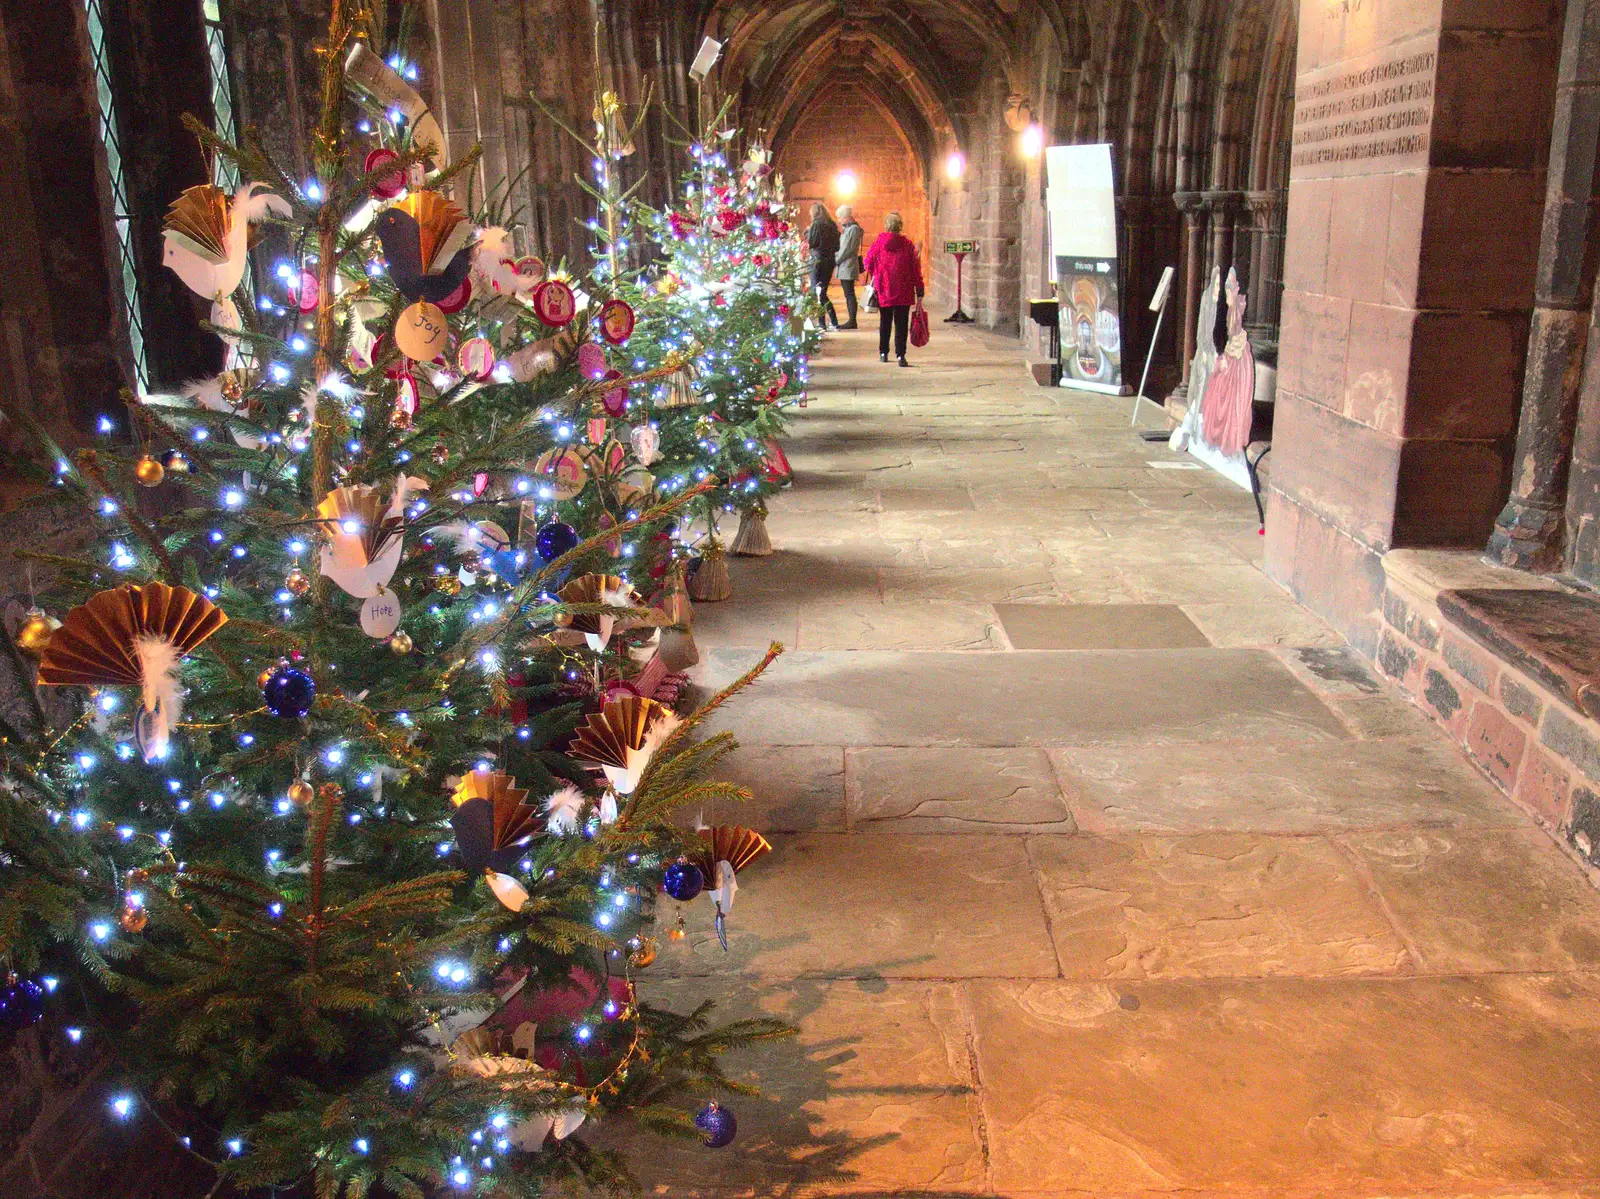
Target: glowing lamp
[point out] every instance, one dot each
(955, 166)
(845, 183)
(1032, 141)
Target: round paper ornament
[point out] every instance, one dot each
(718, 1124)
(380, 614)
(421, 331)
(563, 472)
(554, 539)
(288, 692)
(305, 291)
(492, 537)
(591, 361)
(476, 358)
(225, 315)
(615, 399)
(554, 303)
(388, 184)
(616, 322)
(646, 442)
(457, 300)
(530, 266)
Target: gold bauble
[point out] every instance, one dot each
(300, 793)
(472, 562)
(133, 919)
(177, 463)
(645, 954)
(447, 585)
(400, 643)
(148, 471)
(297, 582)
(441, 454)
(676, 933)
(261, 679)
(34, 633)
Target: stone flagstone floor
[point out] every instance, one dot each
(1101, 868)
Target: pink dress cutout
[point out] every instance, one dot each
(1226, 408)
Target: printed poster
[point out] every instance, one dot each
(1081, 201)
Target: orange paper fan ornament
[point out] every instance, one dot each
(595, 589)
(493, 821)
(133, 635)
(622, 737)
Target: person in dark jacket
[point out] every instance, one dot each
(896, 277)
(823, 238)
(850, 235)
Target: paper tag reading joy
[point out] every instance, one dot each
(421, 331)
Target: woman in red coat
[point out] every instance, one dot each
(896, 282)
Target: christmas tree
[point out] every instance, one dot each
(733, 298)
(345, 852)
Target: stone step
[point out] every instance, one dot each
(1046, 698)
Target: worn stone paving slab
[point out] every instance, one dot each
(1220, 905)
(991, 585)
(954, 790)
(875, 1096)
(1270, 786)
(867, 906)
(874, 697)
(1351, 1087)
(796, 788)
(924, 625)
(1098, 626)
(924, 499)
(1280, 623)
(1474, 901)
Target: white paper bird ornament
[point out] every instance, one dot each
(206, 237)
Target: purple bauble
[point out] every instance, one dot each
(718, 1123)
(683, 881)
(289, 692)
(554, 539)
(21, 1004)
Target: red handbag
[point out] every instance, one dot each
(919, 326)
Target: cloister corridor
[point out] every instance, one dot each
(1101, 867)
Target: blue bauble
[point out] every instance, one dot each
(683, 881)
(718, 1123)
(289, 692)
(21, 1004)
(554, 539)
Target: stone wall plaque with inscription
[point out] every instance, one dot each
(1366, 115)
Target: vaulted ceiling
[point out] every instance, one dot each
(922, 60)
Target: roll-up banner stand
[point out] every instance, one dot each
(1081, 203)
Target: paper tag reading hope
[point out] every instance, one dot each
(380, 614)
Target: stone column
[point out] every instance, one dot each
(1415, 197)
(1266, 262)
(1528, 531)
(1192, 205)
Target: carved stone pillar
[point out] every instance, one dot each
(1266, 213)
(1192, 205)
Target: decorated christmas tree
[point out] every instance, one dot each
(733, 298)
(335, 823)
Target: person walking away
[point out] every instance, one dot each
(849, 266)
(896, 277)
(823, 238)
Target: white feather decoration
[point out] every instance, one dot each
(608, 807)
(162, 696)
(208, 394)
(493, 268)
(563, 809)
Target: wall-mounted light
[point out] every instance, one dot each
(955, 166)
(1032, 141)
(845, 183)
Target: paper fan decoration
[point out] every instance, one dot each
(426, 241)
(622, 737)
(364, 538)
(724, 851)
(493, 821)
(205, 237)
(133, 635)
(595, 589)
